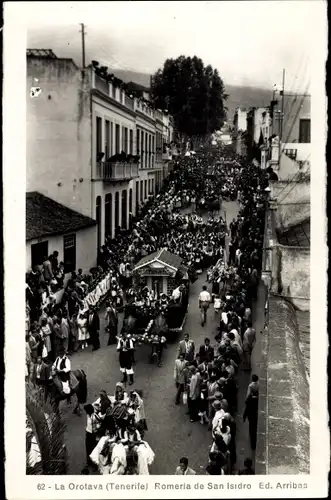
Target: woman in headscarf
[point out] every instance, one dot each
(138, 407)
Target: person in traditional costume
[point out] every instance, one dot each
(63, 378)
(125, 347)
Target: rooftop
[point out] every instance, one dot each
(46, 217)
(297, 235)
(46, 53)
(162, 256)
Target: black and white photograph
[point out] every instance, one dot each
(168, 194)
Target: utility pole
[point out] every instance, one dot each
(281, 120)
(83, 44)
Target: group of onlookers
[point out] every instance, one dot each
(207, 380)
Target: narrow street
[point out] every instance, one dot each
(171, 434)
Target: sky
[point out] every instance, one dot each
(248, 42)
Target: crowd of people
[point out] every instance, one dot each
(115, 430)
(207, 379)
(72, 323)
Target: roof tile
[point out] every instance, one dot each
(46, 217)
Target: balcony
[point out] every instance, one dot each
(291, 153)
(167, 156)
(116, 172)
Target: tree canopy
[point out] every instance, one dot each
(193, 94)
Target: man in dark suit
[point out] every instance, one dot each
(41, 372)
(187, 348)
(206, 352)
(112, 319)
(94, 327)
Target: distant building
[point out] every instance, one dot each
(254, 125)
(239, 131)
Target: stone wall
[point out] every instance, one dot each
(293, 275)
(293, 202)
(283, 426)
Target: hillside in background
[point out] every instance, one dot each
(238, 95)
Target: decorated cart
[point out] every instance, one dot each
(161, 271)
(164, 273)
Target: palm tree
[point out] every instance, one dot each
(44, 435)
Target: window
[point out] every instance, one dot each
(124, 209)
(117, 139)
(123, 138)
(146, 151)
(107, 150)
(111, 142)
(146, 189)
(131, 142)
(108, 214)
(117, 209)
(126, 140)
(130, 201)
(153, 144)
(138, 141)
(69, 252)
(38, 253)
(99, 135)
(98, 219)
(141, 190)
(149, 150)
(304, 131)
(142, 149)
(137, 195)
(113, 91)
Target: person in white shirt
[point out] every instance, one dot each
(183, 469)
(238, 257)
(236, 336)
(219, 413)
(217, 304)
(204, 303)
(176, 293)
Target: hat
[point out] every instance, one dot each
(218, 395)
(119, 384)
(217, 405)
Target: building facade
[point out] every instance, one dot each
(292, 156)
(239, 129)
(254, 125)
(75, 124)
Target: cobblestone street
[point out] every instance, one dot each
(171, 434)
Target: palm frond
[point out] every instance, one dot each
(48, 429)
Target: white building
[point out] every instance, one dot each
(75, 124)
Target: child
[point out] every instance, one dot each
(217, 304)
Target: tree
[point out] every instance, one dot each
(193, 94)
(46, 429)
